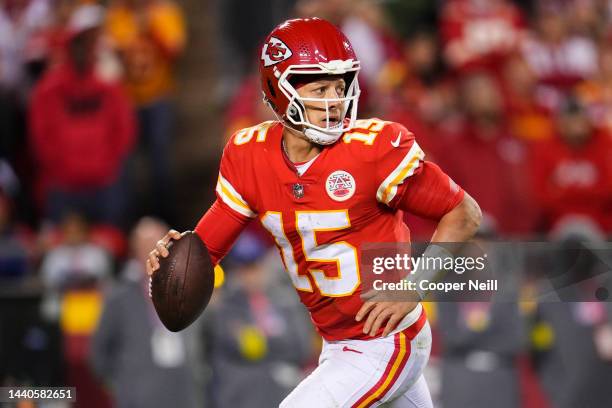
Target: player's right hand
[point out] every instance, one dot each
(161, 249)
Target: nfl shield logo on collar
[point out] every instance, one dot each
(298, 190)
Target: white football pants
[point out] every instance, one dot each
(384, 372)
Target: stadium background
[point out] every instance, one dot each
(511, 98)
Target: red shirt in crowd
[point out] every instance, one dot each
(494, 170)
(561, 66)
(81, 129)
(477, 34)
(573, 181)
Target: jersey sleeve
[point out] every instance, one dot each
(430, 194)
(230, 189)
(218, 229)
(222, 223)
(399, 157)
(410, 183)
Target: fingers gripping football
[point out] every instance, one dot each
(182, 279)
(161, 250)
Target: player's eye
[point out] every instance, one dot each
(340, 90)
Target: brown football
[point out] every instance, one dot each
(182, 286)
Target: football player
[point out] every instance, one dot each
(323, 183)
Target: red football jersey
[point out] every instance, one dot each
(351, 194)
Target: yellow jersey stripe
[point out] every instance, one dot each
(231, 197)
(388, 188)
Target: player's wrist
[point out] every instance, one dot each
(430, 269)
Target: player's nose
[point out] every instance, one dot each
(334, 100)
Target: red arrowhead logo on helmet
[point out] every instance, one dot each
(274, 51)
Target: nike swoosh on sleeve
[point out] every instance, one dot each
(396, 142)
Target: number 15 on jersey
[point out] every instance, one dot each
(343, 254)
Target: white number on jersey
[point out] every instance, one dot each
(343, 254)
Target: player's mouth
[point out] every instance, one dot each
(332, 121)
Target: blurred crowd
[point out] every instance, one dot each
(86, 90)
(513, 99)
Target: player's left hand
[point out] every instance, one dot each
(379, 311)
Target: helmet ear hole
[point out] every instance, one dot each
(292, 112)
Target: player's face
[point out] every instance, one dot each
(329, 89)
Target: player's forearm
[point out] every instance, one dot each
(460, 224)
(457, 226)
(218, 229)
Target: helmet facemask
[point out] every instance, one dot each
(295, 115)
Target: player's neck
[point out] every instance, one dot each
(298, 149)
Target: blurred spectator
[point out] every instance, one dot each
(105, 236)
(149, 36)
(417, 92)
(366, 27)
(106, 62)
(529, 119)
(25, 338)
(559, 58)
(481, 342)
(579, 376)
(588, 17)
(489, 163)
(22, 54)
(573, 173)
(246, 107)
(21, 21)
(596, 91)
(143, 363)
(241, 26)
(410, 17)
(577, 369)
(81, 130)
(11, 124)
(74, 273)
(478, 34)
(334, 10)
(76, 262)
(58, 33)
(31, 348)
(15, 244)
(259, 337)
(9, 183)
